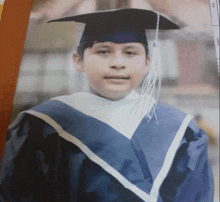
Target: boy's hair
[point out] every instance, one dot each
(81, 48)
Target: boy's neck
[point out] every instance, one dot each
(132, 94)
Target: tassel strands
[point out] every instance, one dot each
(152, 83)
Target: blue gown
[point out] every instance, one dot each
(84, 148)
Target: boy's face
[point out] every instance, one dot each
(113, 70)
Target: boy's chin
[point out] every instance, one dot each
(114, 96)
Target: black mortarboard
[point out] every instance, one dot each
(119, 26)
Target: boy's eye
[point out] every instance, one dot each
(102, 52)
(130, 53)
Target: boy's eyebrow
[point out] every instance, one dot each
(101, 46)
(132, 47)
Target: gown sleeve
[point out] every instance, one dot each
(190, 178)
(24, 175)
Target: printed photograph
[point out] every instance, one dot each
(116, 101)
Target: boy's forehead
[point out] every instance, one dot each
(110, 44)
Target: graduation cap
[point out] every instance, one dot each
(119, 26)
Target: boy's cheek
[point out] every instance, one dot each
(93, 60)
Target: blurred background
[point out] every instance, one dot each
(187, 59)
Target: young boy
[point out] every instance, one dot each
(110, 144)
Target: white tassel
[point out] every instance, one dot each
(149, 84)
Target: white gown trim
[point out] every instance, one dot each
(169, 159)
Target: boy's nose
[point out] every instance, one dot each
(117, 63)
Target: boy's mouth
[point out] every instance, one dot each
(117, 77)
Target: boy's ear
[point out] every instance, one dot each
(147, 66)
(78, 62)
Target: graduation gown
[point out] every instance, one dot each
(85, 148)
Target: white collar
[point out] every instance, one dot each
(123, 115)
